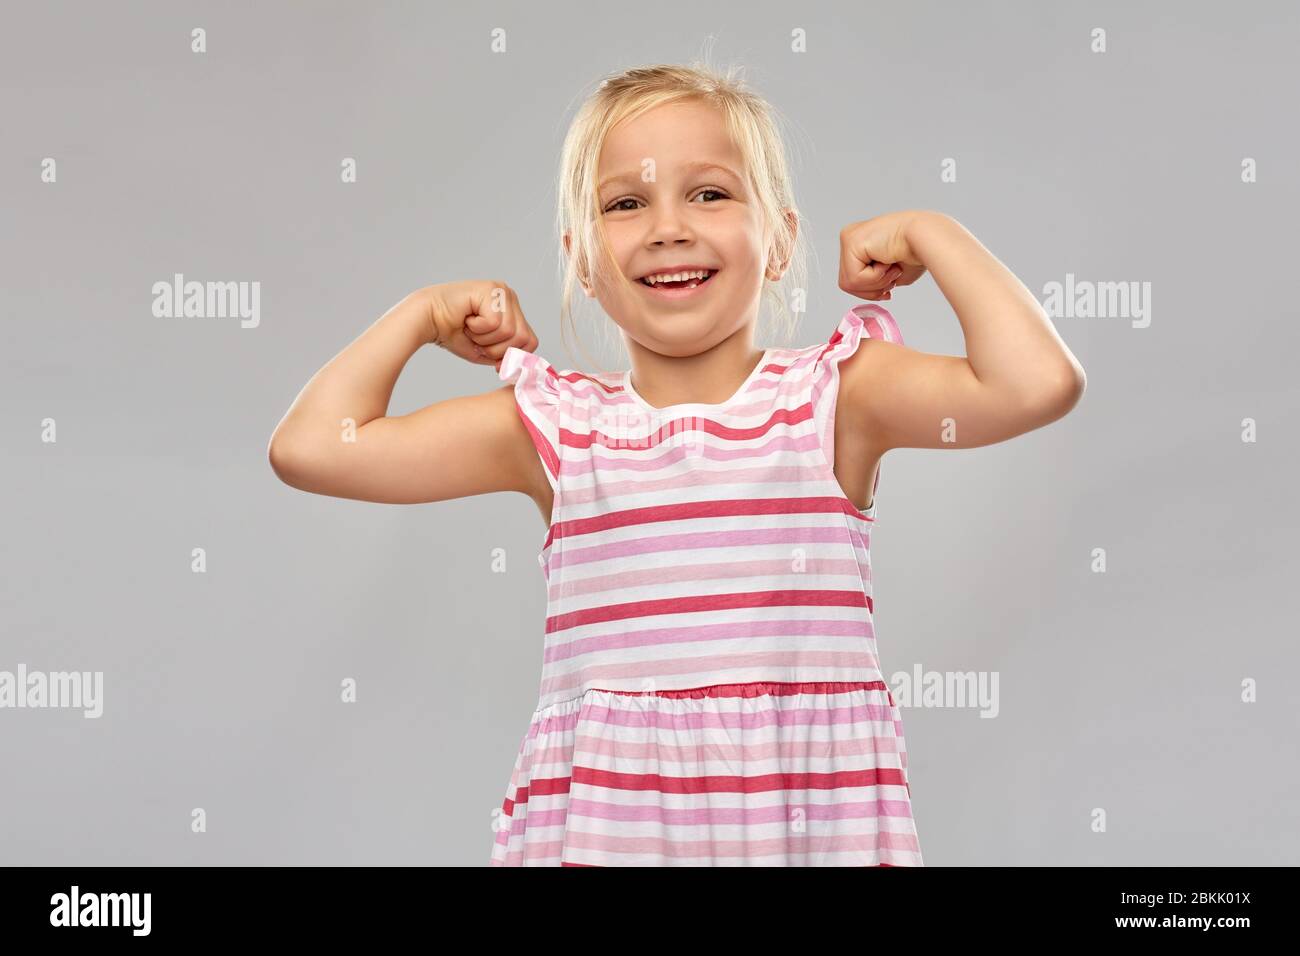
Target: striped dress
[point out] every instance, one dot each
(711, 693)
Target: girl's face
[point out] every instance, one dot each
(696, 212)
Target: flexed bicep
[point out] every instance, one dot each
(455, 448)
(905, 398)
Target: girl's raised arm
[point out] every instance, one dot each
(1017, 374)
(337, 439)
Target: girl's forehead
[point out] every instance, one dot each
(671, 155)
(680, 127)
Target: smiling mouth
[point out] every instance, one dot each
(691, 283)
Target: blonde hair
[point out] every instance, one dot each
(753, 126)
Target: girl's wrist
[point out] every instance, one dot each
(921, 228)
(919, 219)
(427, 311)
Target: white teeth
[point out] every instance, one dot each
(677, 276)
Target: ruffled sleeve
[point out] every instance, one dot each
(862, 321)
(537, 398)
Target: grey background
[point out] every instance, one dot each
(1118, 690)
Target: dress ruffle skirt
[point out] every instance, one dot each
(755, 774)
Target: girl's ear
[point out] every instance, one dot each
(776, 266)
(582, 280)
(779, 260)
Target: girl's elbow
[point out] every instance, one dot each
(1060, 397)
(289, 458)
(1073, 384)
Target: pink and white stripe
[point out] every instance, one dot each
(711, 692)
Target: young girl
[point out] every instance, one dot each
(711, 692)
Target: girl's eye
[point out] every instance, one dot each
(617, 205)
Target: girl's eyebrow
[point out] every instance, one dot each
(696, 166)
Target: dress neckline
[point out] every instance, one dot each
(630, 390)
